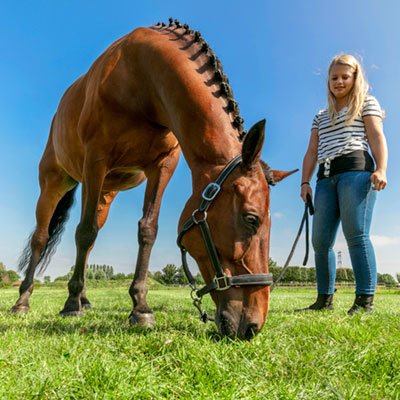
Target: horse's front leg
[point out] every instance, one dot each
(157, 180)
(86, 232)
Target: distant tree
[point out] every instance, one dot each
(180, 276)
(47, 279)
(275, 271)
(158, 276)
(107, 272)
(171, 275)
(344, 275)
(311, 274)
(292, 274)
(8, 276)
(168, 274)
(89, 273)
(119, 276)
(386, 279)
(199, 279)
(398, 277)
(272, 263)
(100, 275)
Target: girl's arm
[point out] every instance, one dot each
(377, 143)
(309, 163)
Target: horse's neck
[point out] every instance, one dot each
(204, 150)
(207, 149)
(190, 102)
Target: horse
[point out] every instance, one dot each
(153, 93)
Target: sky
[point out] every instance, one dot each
(275, 54)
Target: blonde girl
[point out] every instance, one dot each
(342, 137)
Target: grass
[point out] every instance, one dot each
(324, 355)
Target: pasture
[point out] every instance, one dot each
(325, 355)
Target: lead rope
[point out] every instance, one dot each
(193, 294)
(308, 209)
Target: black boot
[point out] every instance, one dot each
(323, 302)
(362, 302)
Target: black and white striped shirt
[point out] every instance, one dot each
(339, 139)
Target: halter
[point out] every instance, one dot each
(221, 281)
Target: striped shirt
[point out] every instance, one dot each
(338, 139)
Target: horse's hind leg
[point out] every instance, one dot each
(55, 199)
(157, 180)
(102, 213)
(86, 231)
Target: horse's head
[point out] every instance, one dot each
(239, 227)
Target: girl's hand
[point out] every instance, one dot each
(378, 179)
(305, 189)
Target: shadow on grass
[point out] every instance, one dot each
(105, 322)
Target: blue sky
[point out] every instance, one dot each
(275, 55)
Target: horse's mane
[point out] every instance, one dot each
(214, 63)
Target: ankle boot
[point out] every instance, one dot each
(323, 302)
(362, 302)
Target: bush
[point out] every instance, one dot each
(387, 280)
(8, 276)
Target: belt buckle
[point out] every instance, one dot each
(210, 191)
(225, 284)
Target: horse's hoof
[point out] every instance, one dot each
(19, 310)
(87, 306)
(145, 320)
(71, 313)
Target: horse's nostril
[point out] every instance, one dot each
(251, 331)
(226, 327)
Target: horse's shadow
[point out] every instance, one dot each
(104, 322)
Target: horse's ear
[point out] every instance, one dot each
(277, 176)
(253, 142)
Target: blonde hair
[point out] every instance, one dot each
(358, 92)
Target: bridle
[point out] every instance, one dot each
(221, 281)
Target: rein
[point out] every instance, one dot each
(308, 209)
(221, 281)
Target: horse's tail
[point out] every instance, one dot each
(56, 228)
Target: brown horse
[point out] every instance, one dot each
(152, 93)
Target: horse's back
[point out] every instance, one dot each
(110, 111)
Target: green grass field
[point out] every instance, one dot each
(324, 355)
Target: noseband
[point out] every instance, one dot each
(221, 281)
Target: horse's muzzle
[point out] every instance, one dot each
(239, 327)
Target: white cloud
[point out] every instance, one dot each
(380, 240)
(377, 240)
(317, 72)
(278, 215)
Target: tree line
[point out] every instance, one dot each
(173, 275)
(96, 272)
(169, 275)
(7, 277)
(307, 275)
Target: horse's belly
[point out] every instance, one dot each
(123, 180)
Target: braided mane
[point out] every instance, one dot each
(219, 77)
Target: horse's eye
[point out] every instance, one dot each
(252, 222)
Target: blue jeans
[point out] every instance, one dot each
(347, 198)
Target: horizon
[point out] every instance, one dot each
(275, 56)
